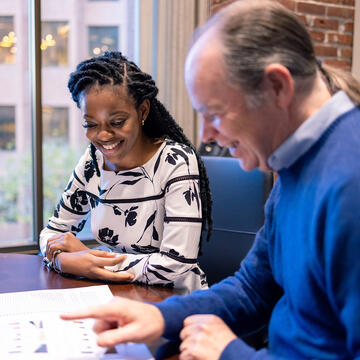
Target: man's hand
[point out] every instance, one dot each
(123, 320)
(66, 242)
(204, 337)
(91, 263)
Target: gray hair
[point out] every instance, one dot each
(258, 33)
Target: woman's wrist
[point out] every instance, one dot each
(57, 262)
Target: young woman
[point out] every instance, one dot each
(140, 181)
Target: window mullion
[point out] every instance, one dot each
(36, 114)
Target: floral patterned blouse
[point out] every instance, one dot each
(152, 213)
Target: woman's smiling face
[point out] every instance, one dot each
(114, 125)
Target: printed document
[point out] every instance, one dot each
(30, 326)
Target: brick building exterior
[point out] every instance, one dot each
(330, 23)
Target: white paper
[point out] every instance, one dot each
(30, 326)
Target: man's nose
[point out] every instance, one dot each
(208, 133)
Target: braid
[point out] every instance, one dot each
(94, 160)
(113, 68)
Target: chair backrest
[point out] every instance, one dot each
(238, 212)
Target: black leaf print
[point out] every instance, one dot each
(130, 217)
(130, 182)
(101, 191)
(132, 264)
(79, 227)
(158, 161)
(148, 223)
(155, 234)
(182, 154)
(186, 148)
(106, 236)
(187, 195)
(94, 202)
(147, 249)
(169, 158)
(77, 199)
(117, 210)
(131, 173)
(174, 252)
(195, 196)
(159, 276)
(196, 271)
(160, 267)
(124, 250)
(89, 170)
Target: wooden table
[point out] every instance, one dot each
(19, 272)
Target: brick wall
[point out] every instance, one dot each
(330, 23)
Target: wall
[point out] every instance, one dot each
(330, 23)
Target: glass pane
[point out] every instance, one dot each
(15, 126)
(7, 127)
(80, 29)
(102, 38)
(55, 123)
(7, 39)
(54, 43)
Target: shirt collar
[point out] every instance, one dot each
(309, 131)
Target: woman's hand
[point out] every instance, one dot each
(66, 242)
(204, 337)
(91, 263)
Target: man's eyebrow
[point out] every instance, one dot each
(208, 108)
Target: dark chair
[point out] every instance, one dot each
(238, 212)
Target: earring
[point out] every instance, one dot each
(142, 122)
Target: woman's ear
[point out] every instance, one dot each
(143, 110)
(280, 83)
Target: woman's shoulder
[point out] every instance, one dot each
(181, 149)
(173, 159)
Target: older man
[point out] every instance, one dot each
(253, 76)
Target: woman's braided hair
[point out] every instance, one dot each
(113, 68)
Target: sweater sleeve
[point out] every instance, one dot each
(341, 261)
(71, 212)
(244, 301)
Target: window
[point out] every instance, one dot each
(55, 123)
(71, 30)
(7, 39)
(54, 43)
(103, 38)
(16, 205)
(7, 128)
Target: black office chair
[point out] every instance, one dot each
(238, 212)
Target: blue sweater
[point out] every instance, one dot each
(303, 270)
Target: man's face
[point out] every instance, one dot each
(226, 115)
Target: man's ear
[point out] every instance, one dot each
(280, 83)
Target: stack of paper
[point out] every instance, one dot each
(30, 326)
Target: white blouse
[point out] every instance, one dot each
(152, 213)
